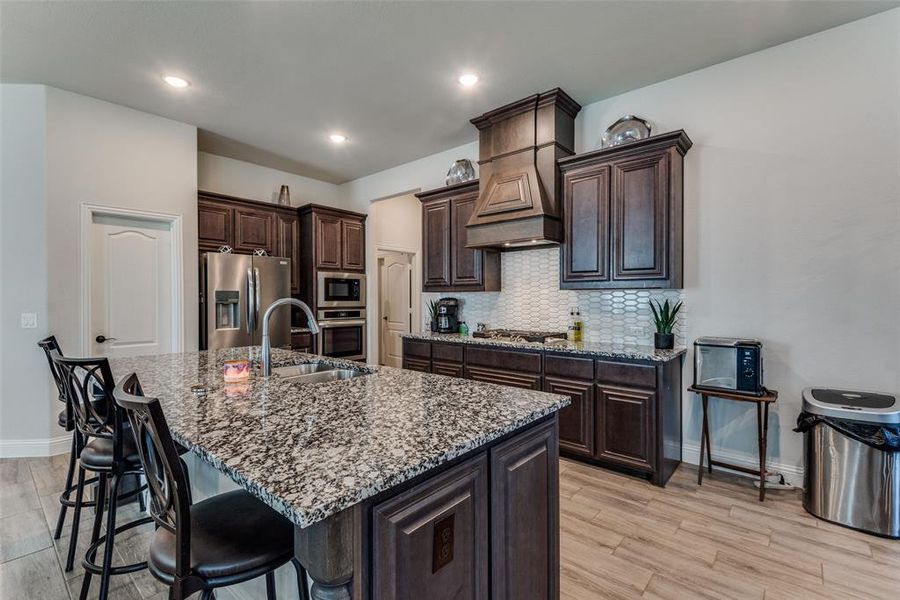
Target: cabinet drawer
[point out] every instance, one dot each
(416, 348)
(417, 364)
(447, 352)
(528, 381)
(449, 369)
(626, 374)
(505, 360)
(301, 342)
(568, 366)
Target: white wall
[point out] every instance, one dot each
(792, 214)
(423, 174)
(393, 224)
(246, 180)
(77, 150)
(26, 413)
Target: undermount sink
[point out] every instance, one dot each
(315, 373)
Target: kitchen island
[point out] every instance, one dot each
(398, 482)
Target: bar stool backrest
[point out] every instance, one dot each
(89, 385)
(170, 497)
(49, 345)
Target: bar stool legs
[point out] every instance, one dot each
(64, 497)
(76, 520)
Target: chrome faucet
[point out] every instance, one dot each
(266, 361)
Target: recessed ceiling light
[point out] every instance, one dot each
(176, 82)
(337, 138)
(468, 79)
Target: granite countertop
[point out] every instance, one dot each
(595, 349)
(312, 450)
(296, 330)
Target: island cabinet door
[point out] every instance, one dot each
(432, 541)
(525, 515)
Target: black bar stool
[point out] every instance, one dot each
(110, 452)
(224, 540)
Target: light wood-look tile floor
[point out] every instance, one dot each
(623, 538)
(620, 538)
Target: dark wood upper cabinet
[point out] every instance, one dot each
(623, 215)
(254, 230)
(214, 224)
(448, 264)
(525, 525)
(585, 254)
(432, 541)
(328, 241)
(353, 245)
(465, 265)
(436, 242)
(287, 243)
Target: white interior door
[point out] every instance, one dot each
(131, 299)
(395, 294)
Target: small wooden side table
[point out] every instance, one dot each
(762, 433)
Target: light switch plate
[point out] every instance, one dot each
(28, 321)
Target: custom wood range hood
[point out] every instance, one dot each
(520, 192)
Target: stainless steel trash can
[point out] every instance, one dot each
(852, 474)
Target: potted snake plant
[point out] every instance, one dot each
(664, 317)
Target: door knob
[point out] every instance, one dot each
(102, 338)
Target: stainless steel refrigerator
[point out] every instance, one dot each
(235, 290)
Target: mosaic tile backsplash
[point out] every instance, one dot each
(531, 299)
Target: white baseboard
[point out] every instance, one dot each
(793, 474)
(35, 447)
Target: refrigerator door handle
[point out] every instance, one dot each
(251, 296)
(257, 284)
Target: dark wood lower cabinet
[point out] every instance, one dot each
(432, 541)
(624, 427)
(576, 421)
(625, 414)
(525, 524)
(485, 527)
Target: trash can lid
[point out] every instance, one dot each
(853, 405)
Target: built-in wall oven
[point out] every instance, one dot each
(343, 333)
(341, 290)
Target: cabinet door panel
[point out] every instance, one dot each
(432, 540)
(253, 230)
(640, 216)
(528, 381)
(466, 263)
(354, 245)
(447, 368)
(288, 246)
(436, 244)
(328, 242)
(585, 251)
(576, 421)
(417, 364)
(624, 426)
(214, 225)
(525, 524)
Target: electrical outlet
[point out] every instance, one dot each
(28, 320)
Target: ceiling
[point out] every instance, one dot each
(271, 80)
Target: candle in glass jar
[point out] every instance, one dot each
(236, 370)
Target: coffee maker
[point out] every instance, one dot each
(448, 315)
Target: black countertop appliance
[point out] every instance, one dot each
(448, 315)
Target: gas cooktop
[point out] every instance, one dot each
(513, 335)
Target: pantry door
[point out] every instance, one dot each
(132, 286)
(395, 282)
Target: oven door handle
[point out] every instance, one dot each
(333, 324)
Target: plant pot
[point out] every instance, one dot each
(664, 341)
(434, 327)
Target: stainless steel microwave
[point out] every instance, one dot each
(728, 364)
(341, 290)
